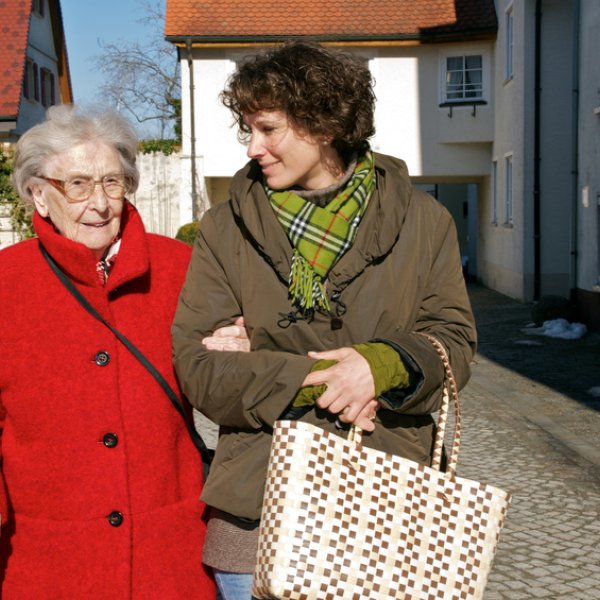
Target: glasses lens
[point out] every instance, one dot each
(80, 189)
(113, 186)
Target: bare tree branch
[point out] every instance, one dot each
(142, 79)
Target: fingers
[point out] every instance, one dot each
(315, 378)
(353, 412)
(349, 381)
(232, 344)
(233, 338)
(366, 418)
(365, 424)
(230, 331)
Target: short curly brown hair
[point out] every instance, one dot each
(322, 90)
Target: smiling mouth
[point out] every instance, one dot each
(103, 224)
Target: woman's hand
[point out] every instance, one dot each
(350, 389)
(233, 338)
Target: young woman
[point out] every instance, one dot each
(335, 261)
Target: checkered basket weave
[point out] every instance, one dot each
(343, 521)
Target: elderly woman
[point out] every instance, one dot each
(100, 486)
(335, 262)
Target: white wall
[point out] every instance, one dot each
(157, 198)
(502, 246)
(7, 236)
(218, 152)
(506, 251)
(435, 142)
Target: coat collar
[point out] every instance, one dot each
(78, 262)
(377, 233)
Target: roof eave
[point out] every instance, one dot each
(386, 39)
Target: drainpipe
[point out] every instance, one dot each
(575, 154)
(536, 154)
(195, 207)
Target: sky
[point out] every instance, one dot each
(85, 22)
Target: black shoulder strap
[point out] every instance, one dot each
(197, 439)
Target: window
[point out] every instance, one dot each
(508, 67)
(464, 78)
(38, 7)
(31, 88)
(494, 206)
(47, 88)
(508, 191)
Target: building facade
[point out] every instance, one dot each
(34, 69)
(491, 104)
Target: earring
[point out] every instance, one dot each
(325, 143)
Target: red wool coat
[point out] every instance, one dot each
(100, 480)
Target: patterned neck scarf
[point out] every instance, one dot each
(321, 236)
(105, 264)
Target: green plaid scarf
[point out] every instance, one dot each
(321, 236)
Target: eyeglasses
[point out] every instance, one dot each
(80, 189)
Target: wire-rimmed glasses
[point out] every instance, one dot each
(81, 188)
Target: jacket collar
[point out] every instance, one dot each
(377, 233)
(78, 262)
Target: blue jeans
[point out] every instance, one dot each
(233, 586)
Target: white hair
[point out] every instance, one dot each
(66, 126)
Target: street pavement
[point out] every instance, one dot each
(531, 427)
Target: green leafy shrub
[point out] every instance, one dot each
(187, 233)
(166, 147)
(20, 212)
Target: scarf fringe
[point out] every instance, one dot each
(305, 286)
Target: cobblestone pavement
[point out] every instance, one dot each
(531, 427)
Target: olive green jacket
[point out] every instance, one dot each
(402, 274)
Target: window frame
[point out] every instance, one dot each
(47, 88)
(31, 80)
(464, 53)
(508, 189)
(38, 8)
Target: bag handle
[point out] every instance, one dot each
(173, 397)
(450, 391)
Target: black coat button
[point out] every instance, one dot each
(102, 358)
(110, 440)
(115, 518)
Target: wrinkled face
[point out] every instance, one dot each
(94, 222)
(288, 156)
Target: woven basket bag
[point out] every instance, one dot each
(343, 521)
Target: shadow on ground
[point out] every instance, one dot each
(571, 367)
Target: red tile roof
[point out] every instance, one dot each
(14, 16)
(263, 20)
